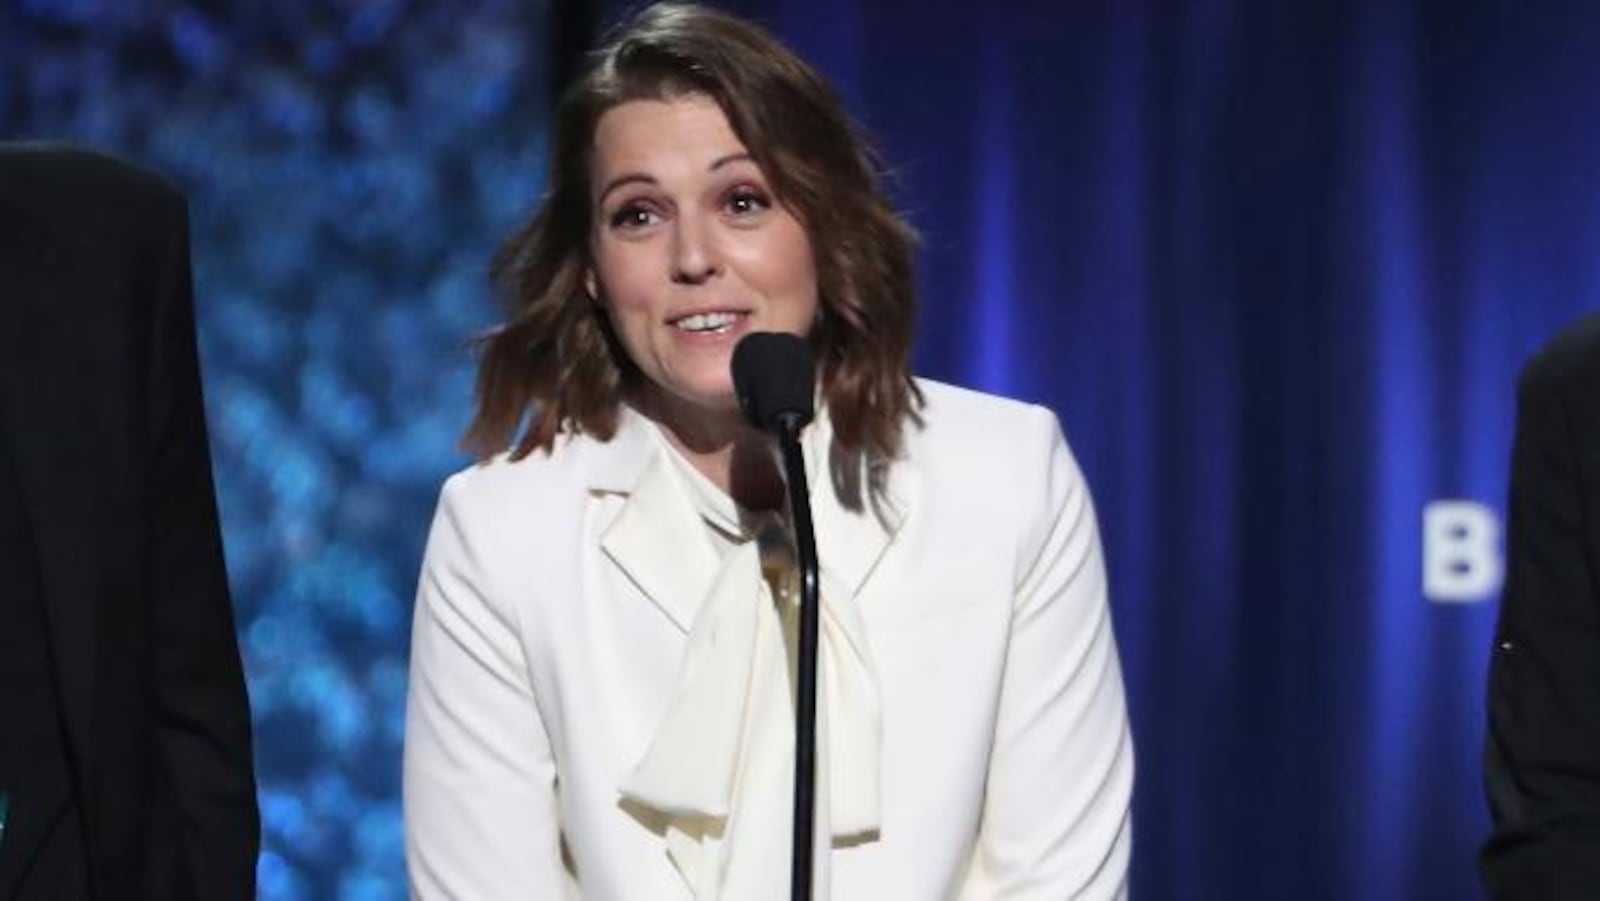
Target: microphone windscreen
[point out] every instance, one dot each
(774, 378)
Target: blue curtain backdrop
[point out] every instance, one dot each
(1275, 265)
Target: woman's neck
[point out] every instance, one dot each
(723, 447)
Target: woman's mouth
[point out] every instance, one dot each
(709, 323)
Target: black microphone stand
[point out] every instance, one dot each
(774, 377)
(805, 707)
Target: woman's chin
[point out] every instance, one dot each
(714, 398)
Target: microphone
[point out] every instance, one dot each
(775, 378)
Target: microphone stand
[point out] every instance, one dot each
(805, 707)
(774, 377)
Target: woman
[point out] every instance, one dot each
(600, 699)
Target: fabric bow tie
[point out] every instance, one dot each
(720, 766)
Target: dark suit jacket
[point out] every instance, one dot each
(100, 398)
(1543, 763)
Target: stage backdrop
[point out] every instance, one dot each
(1275, 265)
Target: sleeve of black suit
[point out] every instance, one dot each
(1543, 754)
(204, 724)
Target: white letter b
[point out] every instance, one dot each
(1460, 551)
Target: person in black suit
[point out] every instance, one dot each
(124, 727)
(1543, 755)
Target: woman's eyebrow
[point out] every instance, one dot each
(627, 178)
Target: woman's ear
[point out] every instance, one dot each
(591, 284)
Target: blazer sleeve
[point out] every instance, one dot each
(1543, 752)
(1056, 820)
(204, 712)
(480, 776)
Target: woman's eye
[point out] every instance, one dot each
(744, 202)
(633, 216)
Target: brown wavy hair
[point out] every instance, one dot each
(555, 364)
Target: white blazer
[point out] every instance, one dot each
(550, 624)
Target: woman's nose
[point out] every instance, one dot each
(694, 257)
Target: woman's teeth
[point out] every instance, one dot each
(708, 322)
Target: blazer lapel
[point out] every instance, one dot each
(676, 574)
(645, 539)
(59, 505)
(851, 537)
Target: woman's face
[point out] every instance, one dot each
(691, 250)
